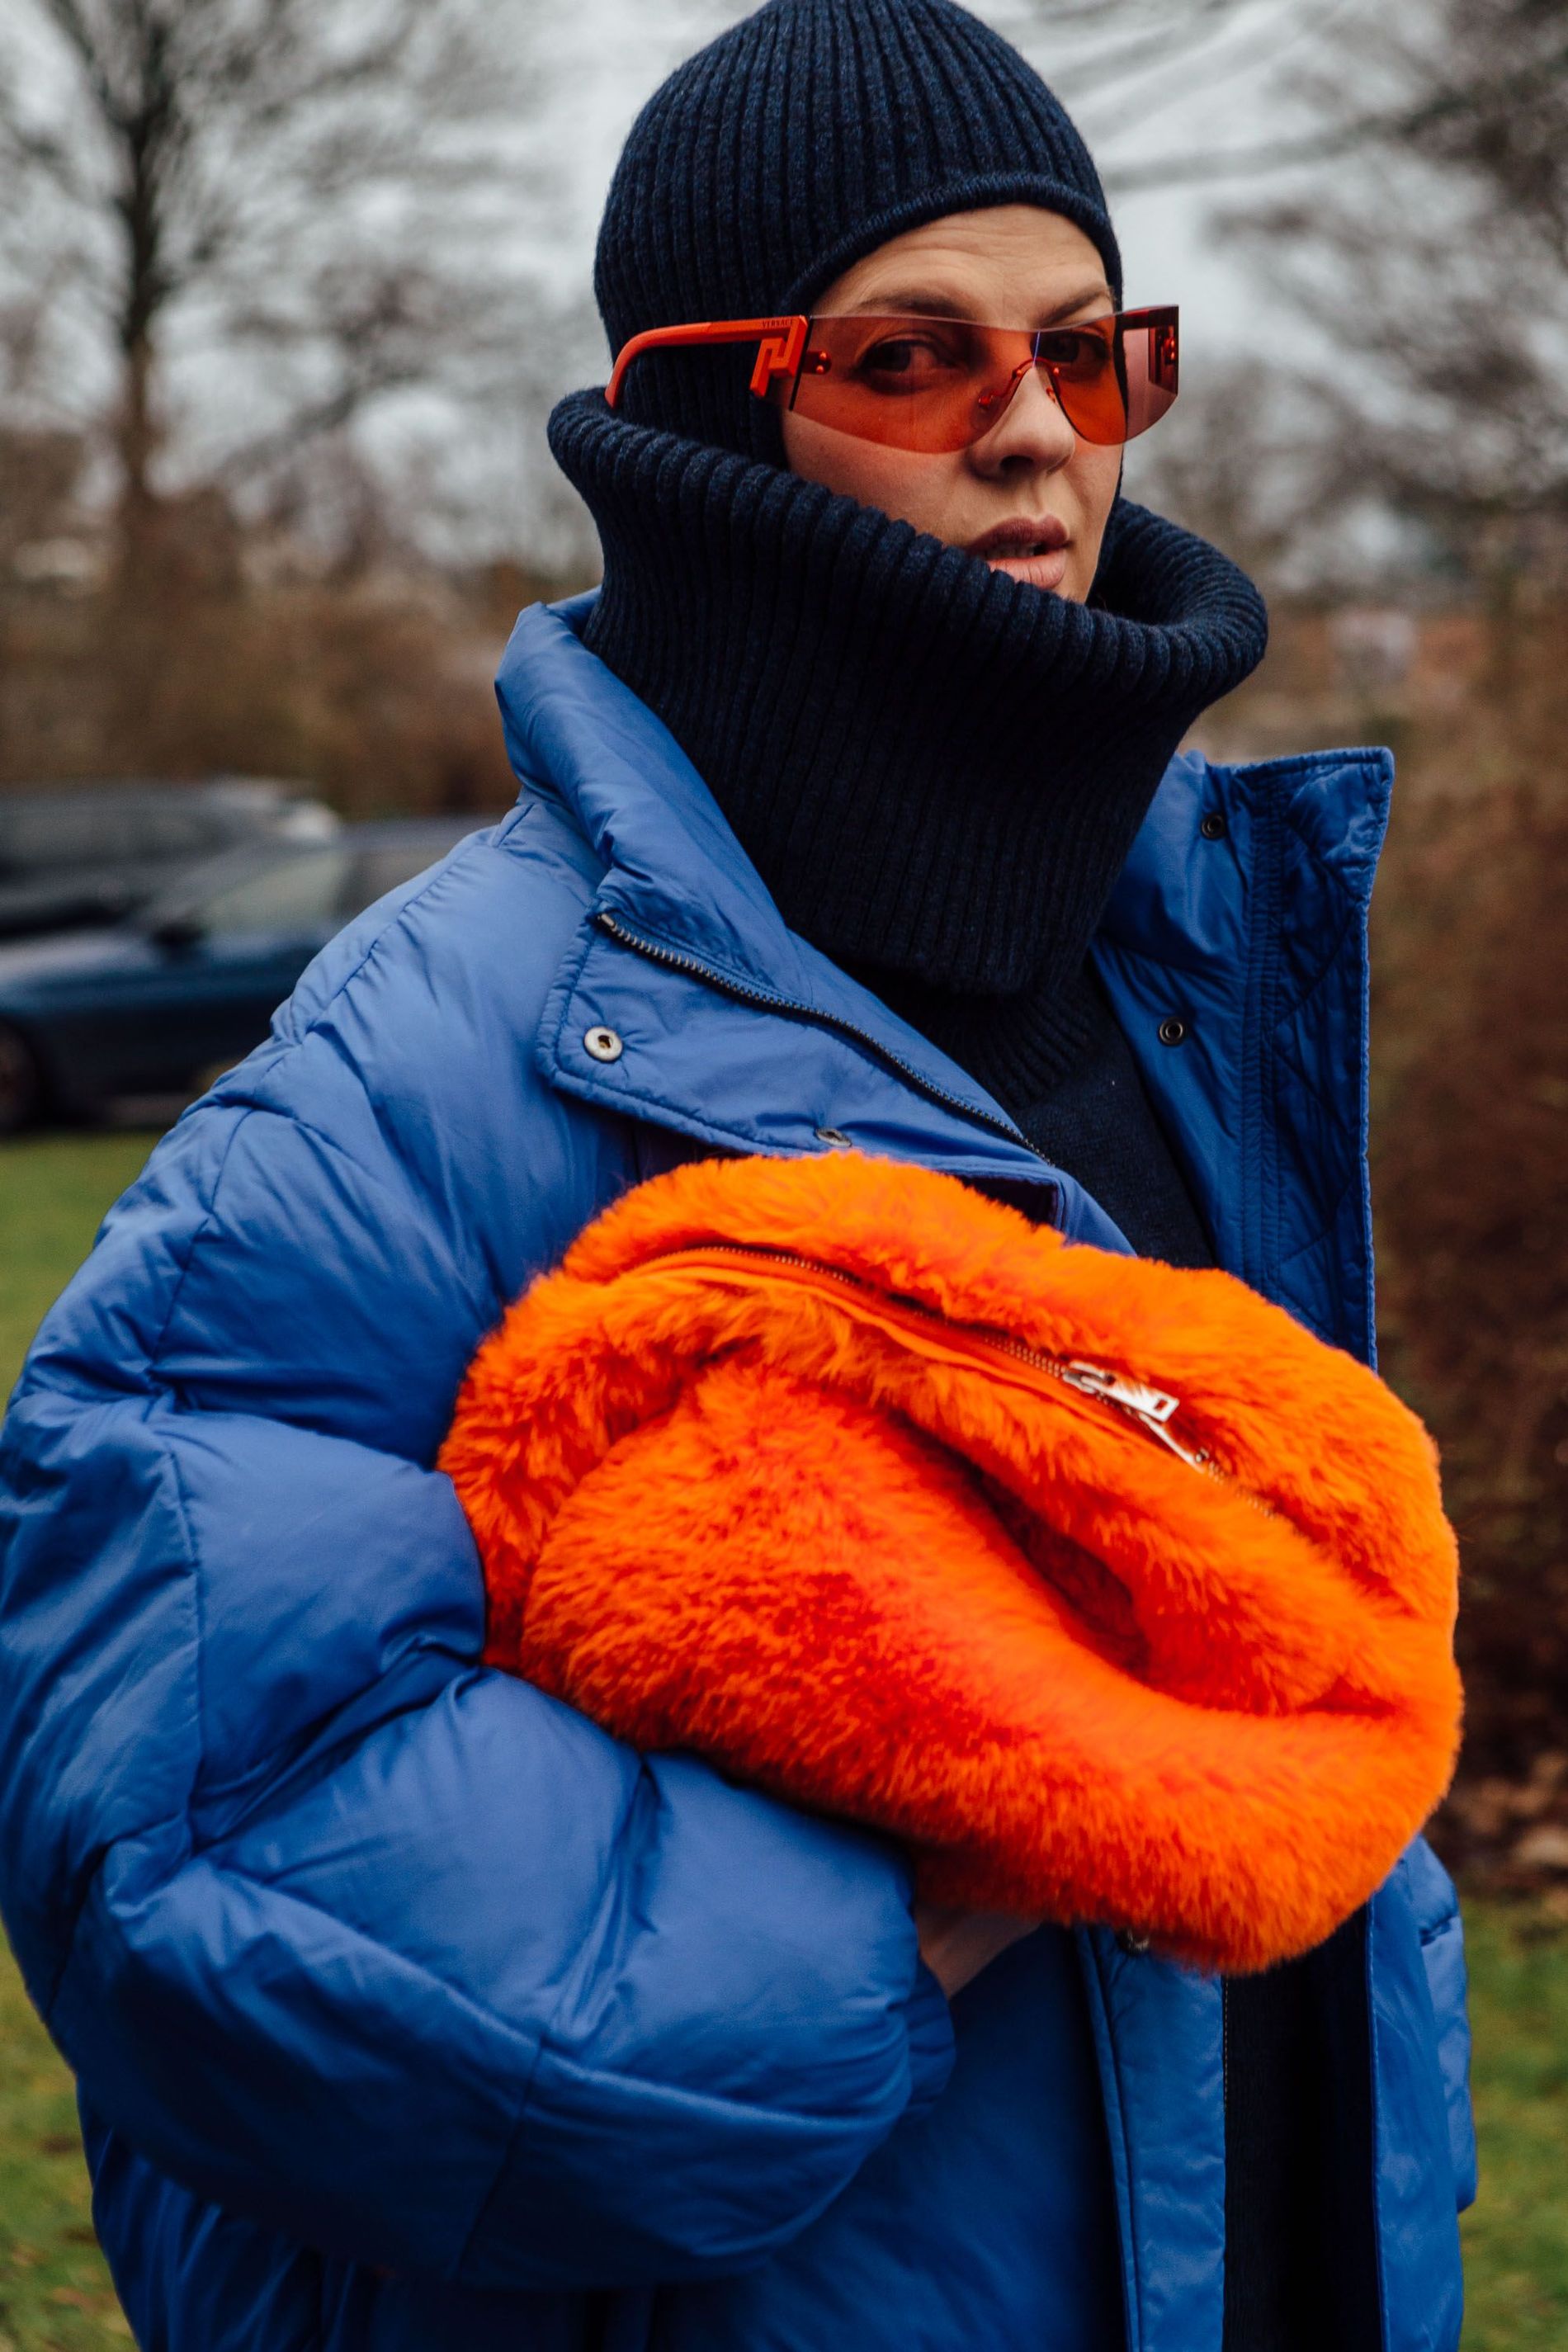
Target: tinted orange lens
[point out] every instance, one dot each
(933, 384)
(912, 384)
(1139, 387)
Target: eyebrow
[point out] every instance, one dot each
(924, 302)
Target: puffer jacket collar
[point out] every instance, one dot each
(1239, 918)
(678, 890)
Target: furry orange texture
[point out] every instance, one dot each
(850, 1539)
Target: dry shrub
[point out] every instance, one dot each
(1470, 1138)
(376, 690)
(1471, 1178)
(382, 701)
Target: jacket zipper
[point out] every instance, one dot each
(617, 931)
(1148, 1408)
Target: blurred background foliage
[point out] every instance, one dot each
(287, 288)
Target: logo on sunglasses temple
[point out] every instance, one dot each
(782, 342)
(780, 354)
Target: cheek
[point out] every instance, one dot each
(907, 483)
(1092, 475)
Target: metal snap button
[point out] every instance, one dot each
(603, 1045)
(834, 1139)
(1214, 827)
(1172, 1032)
(1133, 1946)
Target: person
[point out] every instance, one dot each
(409, 2009)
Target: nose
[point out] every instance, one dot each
(1032, 431)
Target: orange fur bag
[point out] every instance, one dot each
(1106, 1588)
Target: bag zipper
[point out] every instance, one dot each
(1149, 1409)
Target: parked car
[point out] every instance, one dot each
(94, 852)
(151, 1005)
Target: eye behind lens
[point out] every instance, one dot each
(1078, 355)
(903, 352)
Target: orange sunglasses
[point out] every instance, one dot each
(936, 384)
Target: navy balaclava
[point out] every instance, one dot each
(937, 770)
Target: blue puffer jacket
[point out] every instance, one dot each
(409, 2010)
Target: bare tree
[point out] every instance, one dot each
(310, 188)
(1433, 257)
(41, 461)
(1100, 50)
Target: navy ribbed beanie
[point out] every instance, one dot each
(795, 145)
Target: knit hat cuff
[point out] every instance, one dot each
(967, 193)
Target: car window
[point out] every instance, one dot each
(164, 829)
(33, 839)
(376, 871)
(299, 893)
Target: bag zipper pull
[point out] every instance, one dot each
(1154, 1407)
(1137, 1396)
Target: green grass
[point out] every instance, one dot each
(1516, 2237)
(54, 1190)
(54, 2286)
(55, 2294)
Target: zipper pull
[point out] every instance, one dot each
(1137, 1396)
(1154, 1407)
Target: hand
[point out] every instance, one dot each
(956, 1944)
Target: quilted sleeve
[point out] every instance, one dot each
(343, 1931)
(1442, 1933)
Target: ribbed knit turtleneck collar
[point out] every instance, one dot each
(937, 771)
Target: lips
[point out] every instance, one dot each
(1027, 535)
(1031, 548)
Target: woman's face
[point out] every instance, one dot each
(1031, 484)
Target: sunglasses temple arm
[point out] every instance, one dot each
(782, 347)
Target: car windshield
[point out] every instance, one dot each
(303, 887)
(385, 869)
(35, 839)
(295, 894)
(39, 837)
(247, 890)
